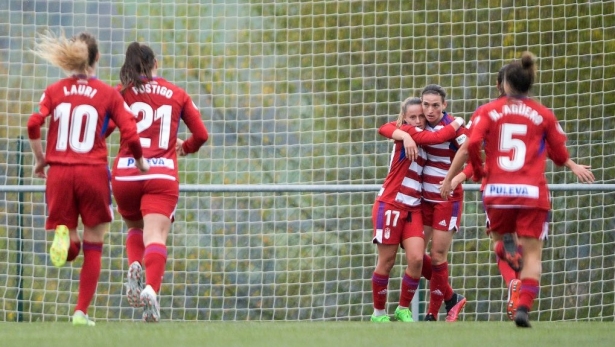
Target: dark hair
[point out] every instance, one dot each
(140, 61)
(500, 79)
(90, 41)
(520, 74)
(434, 89)
(404, 107)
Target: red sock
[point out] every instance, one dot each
(408, 288)
(529, 291)
(426, 270)
(73, 250)
(499, 249)
(439, 289)
(380, 284)
(508, 274)
(155, 260)
(134, 245)
(90, 272)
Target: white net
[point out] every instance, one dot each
(293, 93)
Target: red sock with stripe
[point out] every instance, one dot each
(529, 291)
(90, 272)
(155, 261)
(408, 289)
(380, 283)
(134, 245)
(73, 250)
(439, 288)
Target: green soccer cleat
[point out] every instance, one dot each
(380, 319)
(58, 252)
(403, 315)
(82, 319)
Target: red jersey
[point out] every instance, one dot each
(402, 186)
(516, 133)
(439, 159)
(81, 110)
(159, 105)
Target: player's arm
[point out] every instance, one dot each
(36, 120)
(125, 120)
(391, 131)
(475, 142)
(445, 134)
(199, 135)
(581, 171)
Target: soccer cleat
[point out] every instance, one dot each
(454, 307)
(403, 315)
(58, 252)
(82, 319)
(151, 308)
(522, 317)
(134, 286)
(511, 254)
(380, 319)
(430, 317)
(514, 288)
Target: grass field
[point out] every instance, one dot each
(313, 334)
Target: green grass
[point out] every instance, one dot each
(313, 334)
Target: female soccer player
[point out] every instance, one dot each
(440, 217)
(78, 176)
(515, 132)
(147, 202)
(396, 214)
(456, 176)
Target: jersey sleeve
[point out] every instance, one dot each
(125, 120)
(423, 138)
(387, 129)
(477, 136)
(37, 119)
(192, 118)
(556, 141)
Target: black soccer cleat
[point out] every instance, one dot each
(522, 317)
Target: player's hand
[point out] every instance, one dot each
(412, 150)
(142, 165)
(39, 168)
(446, 189)
(179, 149)
(583, 174)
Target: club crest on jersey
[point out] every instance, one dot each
(387, 233)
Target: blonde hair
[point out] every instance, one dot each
(404, 107)
(73, 55)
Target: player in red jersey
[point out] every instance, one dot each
(456, 176)
(77, 184)
(396, 214)
(440, 217)
(515, 132)
(147, 202)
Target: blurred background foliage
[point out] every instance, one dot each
(293, 92)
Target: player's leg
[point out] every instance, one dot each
(532, 229)
(414, 246)
(94, 195)
(387, 236)
(158, 207)
(63, 215)
(509, 276)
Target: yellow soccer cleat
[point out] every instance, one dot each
(58, 252)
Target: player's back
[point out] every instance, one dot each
(515, 133)
(158, 105)
(79, 109)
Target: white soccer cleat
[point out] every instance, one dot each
(134, 285)
(151, 308)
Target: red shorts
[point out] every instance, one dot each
(443, 215)
(136, 199)
(77, 190)
(393, 225)
(526, 222)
